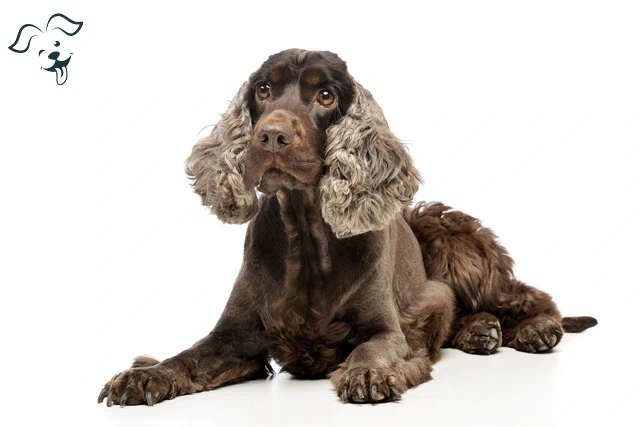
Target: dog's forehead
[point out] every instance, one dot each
(47, 40)
(311, 67)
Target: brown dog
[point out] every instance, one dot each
(336, 280)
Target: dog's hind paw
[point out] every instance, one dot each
(537, 336)
(482, 335)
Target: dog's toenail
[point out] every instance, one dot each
(149, 398)
(360, 391)
(395, 392)
(102, 395)
(374, 392)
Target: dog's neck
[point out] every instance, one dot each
(307, 257)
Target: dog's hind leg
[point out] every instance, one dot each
(459, 250)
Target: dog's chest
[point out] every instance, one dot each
(305, 332)
(307, 316)
(305, 347)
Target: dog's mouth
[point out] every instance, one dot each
(267, 172)
(60, 68)
(274, 173)
(274, 178)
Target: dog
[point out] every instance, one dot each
(51, 51)
(340, 277)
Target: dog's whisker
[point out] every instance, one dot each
(201, 130)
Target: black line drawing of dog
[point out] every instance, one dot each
(49, 41)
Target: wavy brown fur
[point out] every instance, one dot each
(458, 249)
(370, 175)
(215, 165)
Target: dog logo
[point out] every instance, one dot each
(52, 53)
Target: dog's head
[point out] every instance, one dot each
(53, 54)
(302, 121)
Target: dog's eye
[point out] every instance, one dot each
(325, 98)
(263, 91)
(56, 44)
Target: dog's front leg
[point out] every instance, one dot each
(383, 367)
(232, 352)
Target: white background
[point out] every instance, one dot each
(524, 114)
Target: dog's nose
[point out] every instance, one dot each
(54, 55)
(274, 137)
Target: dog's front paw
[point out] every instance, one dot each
(538, 336)
(141, 385)
(362, 385)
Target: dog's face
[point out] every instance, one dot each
(302, 121)
(53, 52)
(293, 99)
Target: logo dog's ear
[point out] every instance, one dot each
(23, 40)
(370, 174)
(64, 24)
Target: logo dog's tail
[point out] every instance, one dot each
(578, 324)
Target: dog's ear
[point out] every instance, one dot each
(23, 40)
(215, 164)
(370, 175)
(64, 24)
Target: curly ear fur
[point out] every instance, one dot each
(370, 175)
(215, 165)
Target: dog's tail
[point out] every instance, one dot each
(578, 324)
